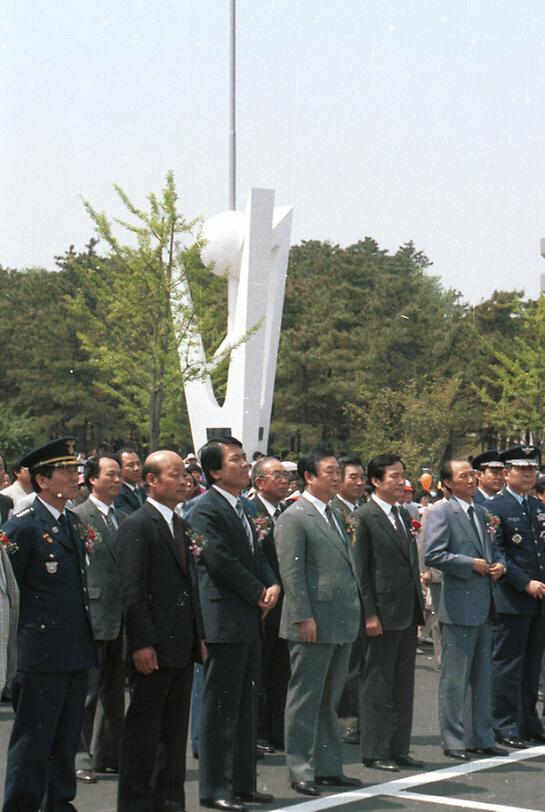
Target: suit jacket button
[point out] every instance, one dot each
(42, 626)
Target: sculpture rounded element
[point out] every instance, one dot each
(224, 235)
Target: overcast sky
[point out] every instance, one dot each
(402, 120)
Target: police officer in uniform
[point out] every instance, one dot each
(490, 480)
(519, 631)
(55, 642)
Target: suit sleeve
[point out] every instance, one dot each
(133, 561)
(365, 566)
(219, 559)
(291, 541)
(436, 545)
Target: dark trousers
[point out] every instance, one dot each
(349, 704)
(40, 772)
(228, 737)
(387, 693)
(153, 743)
(104, 709)
(517, 649)
(274, 687)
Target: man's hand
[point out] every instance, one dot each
(425, 577)
(307, 631)
(536, 589)
(145, 660)
(373, 626)
(496, 571)
(268, 599)
(480, 566)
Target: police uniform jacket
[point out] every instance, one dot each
(521, 539)
(54, 634)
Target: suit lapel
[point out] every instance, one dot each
(51, 526)
(465, 523)
(100, 522)
(164, 532)
(323, 526)
(232, 517)
(387, 525)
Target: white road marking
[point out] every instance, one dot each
(397, 786)
(463, 803)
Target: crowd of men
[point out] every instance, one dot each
(266, 604)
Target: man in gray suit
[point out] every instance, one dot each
(104, 704)
(321, 617)
(458, 542)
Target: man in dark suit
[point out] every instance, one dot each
(105, 703)
(519, 630)
(237, 587)
(489, 469)
(393, 606)
(270, 482)
(321, 618)
(346, 501)
(160, 611)
(458, 542)
(6, 505)
(131, 495)
(55, 641)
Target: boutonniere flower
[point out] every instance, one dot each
(197, 542)
(351, 524)
(492, 523)
(10, 545)
(90, 537)
(263, 525)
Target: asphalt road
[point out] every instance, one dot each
(516, 784)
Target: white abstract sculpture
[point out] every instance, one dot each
(251, 248)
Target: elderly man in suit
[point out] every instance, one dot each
(55, 646)
(321, 618)
(393, 606)
(270, 482)
(519, 630)
(458, 542)
(105, 702)
(237, 588)
(131, 495)
(163, 631)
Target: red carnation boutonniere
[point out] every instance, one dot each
(6, 542)
(262, 526)
(415, 527)
(351, 524)
(90, 537)
(197, 542)
(492, 523)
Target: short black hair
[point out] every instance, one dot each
(378, 465)
(540, 484)
(308, 463)
(211, 456)
(349, 459)
(193, 467)
(16, 469)
(92, 467)
(125, 450)
(445, 471)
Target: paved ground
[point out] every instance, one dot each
(516, 784)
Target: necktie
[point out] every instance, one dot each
(108, 518)
(65, 525)
(244, 519)
(525, 505)
(179, 539)
(331, 521)
(400, 529)
(138, 495)
(276, 514)
(471, 514)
